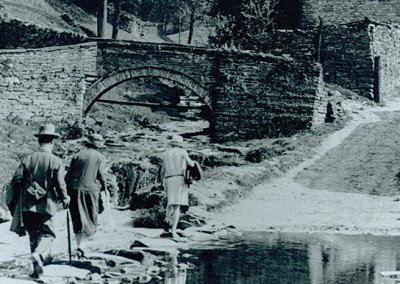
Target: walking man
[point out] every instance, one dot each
(38, 184)
(173, 167)
(85, 179)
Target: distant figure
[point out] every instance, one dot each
(32, 197)
(85, 179)
(173, 167)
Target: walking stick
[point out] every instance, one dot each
(69, 239)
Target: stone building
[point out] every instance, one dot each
(305, 13)
(357, 44)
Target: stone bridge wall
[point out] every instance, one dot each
(198, 63)
(250, 96)
(340, 11)
(51, 84)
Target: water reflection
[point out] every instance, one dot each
(175, 273)
(298, 258)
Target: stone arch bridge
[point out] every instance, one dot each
(248, 95)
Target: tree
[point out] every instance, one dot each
(243, 23)
(197, 10)
(116, 17)
(173, 15)
(259, 17)
(102, 18)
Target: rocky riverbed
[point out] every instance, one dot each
(264, 185)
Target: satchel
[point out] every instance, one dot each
(36, 190)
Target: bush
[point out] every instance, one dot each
(71, 129)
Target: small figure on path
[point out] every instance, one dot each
(173, 167)
(85, 180)
(33, 194)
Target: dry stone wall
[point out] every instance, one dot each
(133, 25)
(15, 34)
(339, 11)
(51, 82)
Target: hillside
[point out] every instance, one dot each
(200, 36)
(48, 13)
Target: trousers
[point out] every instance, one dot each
(41, 232)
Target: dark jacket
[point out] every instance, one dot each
(193, 173)
(47, 171)
(86, 171)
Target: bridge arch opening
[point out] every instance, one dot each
(105, 91)
(103, 85)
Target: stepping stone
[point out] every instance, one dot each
(134, 255)
(154, 243)
(54, 270)
(23, 280)
(92, 266)
(111, 259)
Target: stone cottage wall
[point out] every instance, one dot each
(345, 11)
(346, 53)
(50, 82)
(386, 44)
(347, 59)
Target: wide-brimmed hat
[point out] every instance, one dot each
(47, 130)
(176, 140)
(95, 140)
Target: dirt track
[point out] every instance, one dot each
(315, 196)
(368, 161)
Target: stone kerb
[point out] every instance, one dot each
(100, 87)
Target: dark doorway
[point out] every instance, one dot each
(329, 113)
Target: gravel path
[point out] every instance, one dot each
(347, 187)
(368, 161)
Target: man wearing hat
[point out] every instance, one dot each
(85, 179)
(173, 167)
(39, 181)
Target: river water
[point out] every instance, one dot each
(293, 258)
